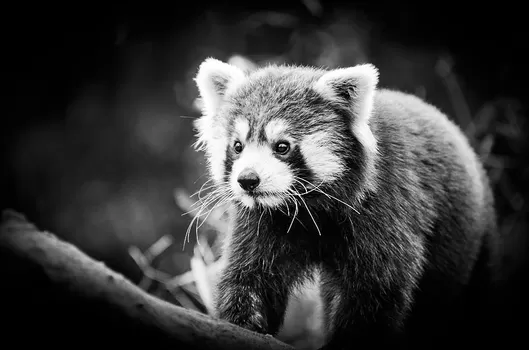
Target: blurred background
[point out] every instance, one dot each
(99, 102)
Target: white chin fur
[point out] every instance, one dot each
(268, 201)
(247, 201)
(326, 165)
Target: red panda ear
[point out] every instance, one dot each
(213, 79)
(354, 86)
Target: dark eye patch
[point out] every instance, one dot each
(297, 164)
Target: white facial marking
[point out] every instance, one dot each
(325, 164)
(242, 128)
(275, 176)
(274, 129)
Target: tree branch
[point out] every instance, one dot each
(55, 294)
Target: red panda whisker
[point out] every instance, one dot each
(199, 192)
(248, 214)
(330, 196)
(200, 202)
(208, 198)
(295, 211)
(219, 201)
(314, 188)
(299, 182)
(202, 187)
(223, 187)
(259, 222)
(287, 206)
(224, 200)
(212, 198)
(310, 213)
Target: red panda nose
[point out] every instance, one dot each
(248, 180)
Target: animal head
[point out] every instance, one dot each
(282, 131)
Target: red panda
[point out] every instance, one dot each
(374, 191)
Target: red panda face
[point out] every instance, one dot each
(259, 168)
(278, 133)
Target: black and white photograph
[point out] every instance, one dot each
(281, 175)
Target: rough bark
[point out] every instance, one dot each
(51, 293)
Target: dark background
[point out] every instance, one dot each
(96, 132)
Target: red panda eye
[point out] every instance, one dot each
(237, 147)
(282, 148)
